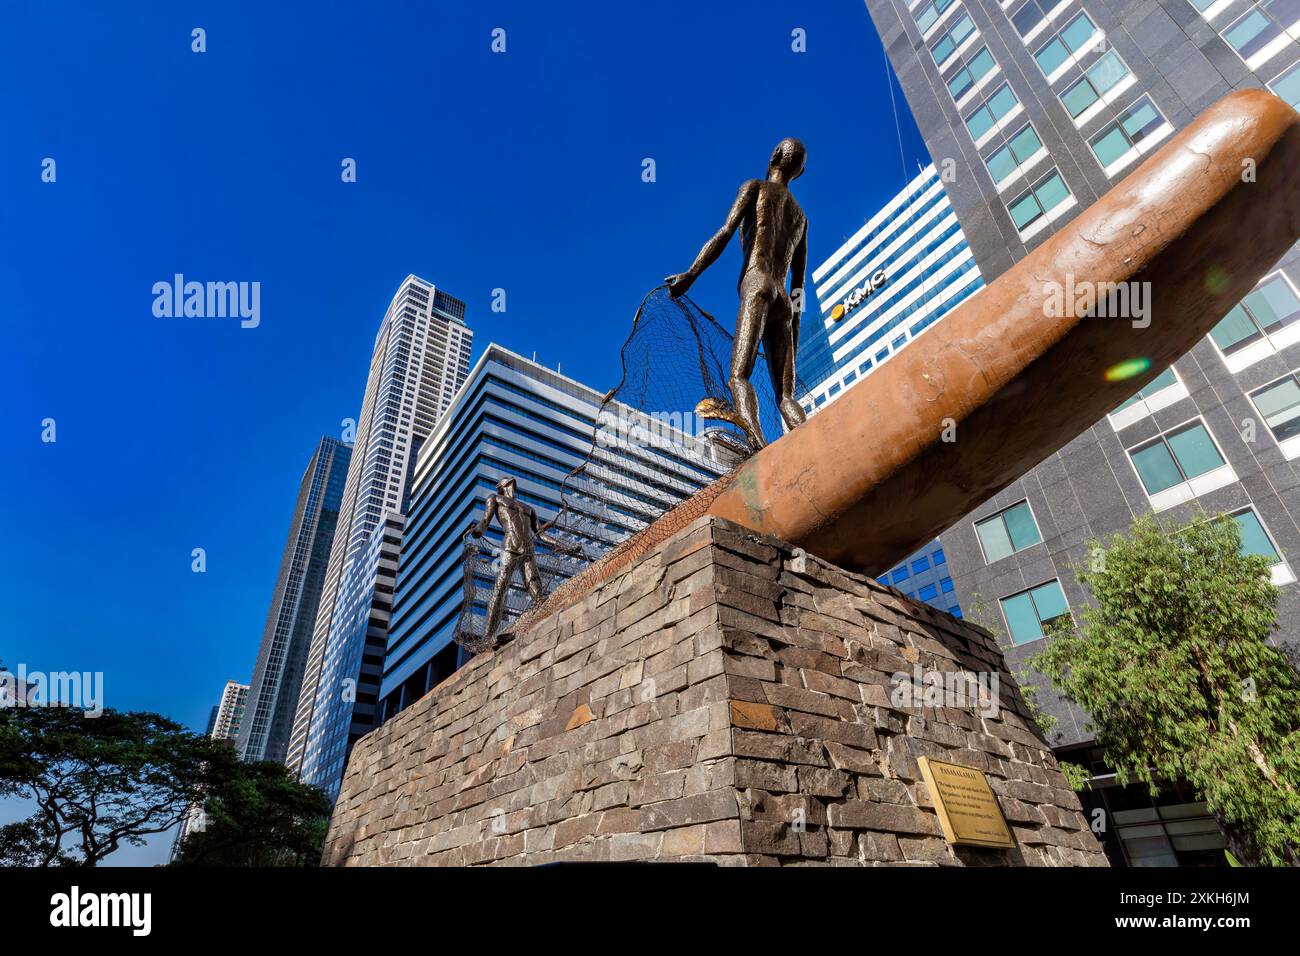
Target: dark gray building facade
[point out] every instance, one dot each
(1034, 109)
(277, 677)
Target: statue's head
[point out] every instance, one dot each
(789, 157)
(506, 486)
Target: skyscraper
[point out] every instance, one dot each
(420, 359)
(277, 677)
(230, 712)
(223, 724)
(905, 269)
(515, 417)
(1039, 107)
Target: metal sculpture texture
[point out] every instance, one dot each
(774, 244)
(520, 536)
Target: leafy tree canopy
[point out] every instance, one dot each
(1174, 666)
(98, 782)
(113, 780)
(259, 816)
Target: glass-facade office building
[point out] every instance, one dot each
(420, 358)
(277, 676)
(1041, 107)
(354, 658)
(515, 417)
(906, 268)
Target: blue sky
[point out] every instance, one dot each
(475, 170)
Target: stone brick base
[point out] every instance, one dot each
(726, 699)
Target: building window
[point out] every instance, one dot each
(991, 112)
(1005, 162)
(1007, 532)
(929, 13)
(1039, 200)
(1133, 129)
(1173, 828)
(928, 593)
(946, 585)
(939, 557)
(947, 44)
(1254, 37)
(1165, 379)
(1098, 80)
(1147, 399)
(1269, 307)
(1172, 461)
(1279, 405)
(920, 565)
(1030, 613)
(1287, 85)
(1069, 42)
(1028, 16)
(900, 574)
(1254, 539)
(970, 73)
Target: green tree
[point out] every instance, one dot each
(1173, 665)
(104, 782)
(98, 782)
(258, 815)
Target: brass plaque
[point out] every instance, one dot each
(968, 809)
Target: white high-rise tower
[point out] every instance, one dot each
(420, 360)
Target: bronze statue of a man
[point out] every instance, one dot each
(774, 242)
(518, 549)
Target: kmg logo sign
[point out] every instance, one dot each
(856, 297)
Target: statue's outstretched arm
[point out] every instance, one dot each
(678, 284)
(489, 513)
(541, 536)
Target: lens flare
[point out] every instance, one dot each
(1127, 369)
(1216, 280)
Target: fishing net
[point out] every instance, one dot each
(482, 560)
(666, 430)
(675, 365)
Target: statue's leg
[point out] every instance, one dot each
(755, 299)
(780, 339)
(533, 578)
(497, 603)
